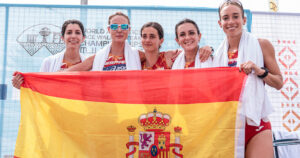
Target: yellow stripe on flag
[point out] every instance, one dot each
(57, 127)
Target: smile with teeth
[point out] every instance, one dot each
(148, 44)
(188, 42)
(73, 42)
(231, 27)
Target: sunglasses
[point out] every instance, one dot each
(116, 26)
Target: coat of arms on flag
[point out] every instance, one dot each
(154, 142)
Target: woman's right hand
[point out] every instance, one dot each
(17, 80)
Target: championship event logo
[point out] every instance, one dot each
(36, 37)
(154, 142)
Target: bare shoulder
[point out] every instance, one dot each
(269, 56)
(264, 43)
(266, 47)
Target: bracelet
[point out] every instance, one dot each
(265, 73)
(212, 51)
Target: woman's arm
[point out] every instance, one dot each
(171, 56)
(204, 54)
(86, 65)
(274, 77)
(142, 56)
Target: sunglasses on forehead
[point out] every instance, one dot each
(116, 26)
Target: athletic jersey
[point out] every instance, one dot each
(232, 58)
(115, 63)
(189, 65)
(66, 64)
(160, 64)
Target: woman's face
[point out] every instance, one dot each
(73, 36)
(150, 39)
(120, 34)
(232, 20)
(188, 37)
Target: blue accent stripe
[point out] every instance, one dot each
(4, 72)
(3, 91)
(249, 20)
(83, 17)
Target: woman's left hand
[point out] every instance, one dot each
(249, 66)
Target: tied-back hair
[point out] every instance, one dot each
(73, 21)
(186, 21)
(116, 14)
(156, 26)
(232, 2)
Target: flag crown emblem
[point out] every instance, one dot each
(154, 142)
(154, 121)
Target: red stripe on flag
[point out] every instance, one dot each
(142, 87)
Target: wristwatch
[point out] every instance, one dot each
(265, 73)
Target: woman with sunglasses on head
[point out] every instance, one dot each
(188, 37)
(73, 34)
(256, 57)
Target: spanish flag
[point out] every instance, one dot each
(136, 114)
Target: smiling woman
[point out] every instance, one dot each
(188, 36)
(152, 35)
(73, 34)
(256, 57)
(118, 55)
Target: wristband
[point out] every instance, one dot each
(212, 51)
(265, 73)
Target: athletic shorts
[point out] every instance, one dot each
(251, 131)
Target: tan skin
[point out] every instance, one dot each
(118, 38)
(118, 42)
(188, 39)
(72, 38)
(151, 44)
(260, 146)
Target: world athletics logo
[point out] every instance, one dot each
(37, 36)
